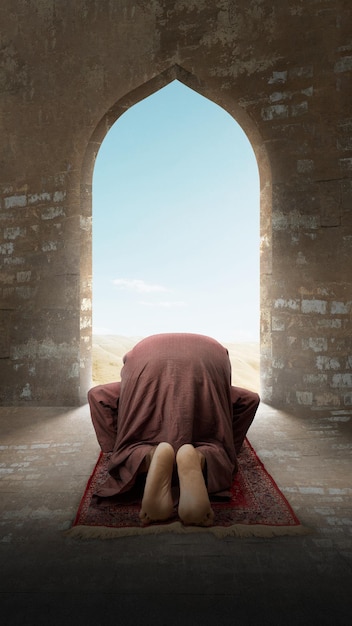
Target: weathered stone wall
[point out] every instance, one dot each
(69, 68)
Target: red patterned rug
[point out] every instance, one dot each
(256, 508)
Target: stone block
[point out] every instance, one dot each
(314, 306)
(304, 397)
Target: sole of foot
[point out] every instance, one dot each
(194, 505)
(157, 502)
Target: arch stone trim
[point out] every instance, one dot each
(174, 72)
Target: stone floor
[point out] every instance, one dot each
(47, 455)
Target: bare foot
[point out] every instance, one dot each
(194, 506)
(157, 503)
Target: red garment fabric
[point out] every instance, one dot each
(174, 387)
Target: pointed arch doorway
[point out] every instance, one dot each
(154, 293)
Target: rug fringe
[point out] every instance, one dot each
(255, 530)
(237, 530)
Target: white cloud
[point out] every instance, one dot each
(140, 286)
(167, 304)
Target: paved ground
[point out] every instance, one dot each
(48, 579)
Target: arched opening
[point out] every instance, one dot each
(176, 222)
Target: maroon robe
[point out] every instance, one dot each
(176, 388)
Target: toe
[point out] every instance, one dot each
(143, 517)
(208, 520)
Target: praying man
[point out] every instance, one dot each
(174, 421)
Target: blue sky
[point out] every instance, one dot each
(176, 222)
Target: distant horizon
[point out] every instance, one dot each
(140, 337)
(176, 222)
(108, 352)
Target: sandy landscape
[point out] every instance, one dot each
(108, 351)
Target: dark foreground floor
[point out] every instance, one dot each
(49, 579)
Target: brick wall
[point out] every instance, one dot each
(282, 69)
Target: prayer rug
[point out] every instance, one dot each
(257, 507)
